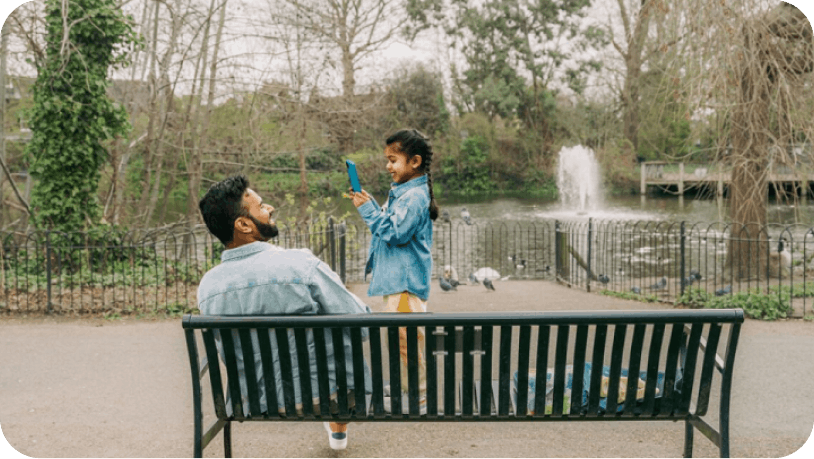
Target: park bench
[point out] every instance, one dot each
(481, 367)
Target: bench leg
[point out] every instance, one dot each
(227, 439)
(197, 449)
(688, 438)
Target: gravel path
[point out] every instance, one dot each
(98, 388)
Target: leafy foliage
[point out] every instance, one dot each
(468, 174)
(756, 303)
(72, 117)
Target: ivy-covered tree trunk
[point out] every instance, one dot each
(73, 119)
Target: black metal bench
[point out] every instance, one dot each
(676, 350)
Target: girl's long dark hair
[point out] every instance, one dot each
(412, 143)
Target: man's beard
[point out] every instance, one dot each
(267, 230)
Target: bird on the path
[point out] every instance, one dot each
(488, 284)
(445, 286)
(687, 281)
(660, 284)
(465, 216)
(472, 278)
(695, 274)
(519, 263)
(636, 290)
(724, 291)
(445, 216)
(603, 278)
(453, 282)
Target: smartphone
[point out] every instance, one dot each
(354, 178)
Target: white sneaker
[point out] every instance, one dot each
(337, 440)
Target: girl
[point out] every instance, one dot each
(400, 251)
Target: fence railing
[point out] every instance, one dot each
(160, 270)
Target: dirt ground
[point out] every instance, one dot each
(121, 388)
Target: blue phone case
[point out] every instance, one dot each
(354, 178)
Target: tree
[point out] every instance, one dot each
(417, 100)
(73, 119)
(512, 45)
(353, 29)
(778, 48)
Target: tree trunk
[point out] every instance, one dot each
(748, 248)
(633, 63)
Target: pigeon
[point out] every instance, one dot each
(687, 281)
(724, 291)
(695, 274)
(636, 290)
(660, 284)
(445, 216)
(445, 286)
(603, 278)
(488, 284)
(473, 279)
(518, 264)
(454, 283)
(465, 216)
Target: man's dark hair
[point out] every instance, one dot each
(222, 205)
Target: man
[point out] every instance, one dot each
(257, 278)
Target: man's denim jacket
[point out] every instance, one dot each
(400, 251)
(262, 279)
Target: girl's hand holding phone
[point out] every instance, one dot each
(359, 198)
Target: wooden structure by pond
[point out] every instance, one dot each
(683, 176)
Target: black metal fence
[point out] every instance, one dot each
(662, 261)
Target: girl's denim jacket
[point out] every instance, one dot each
(400, 251)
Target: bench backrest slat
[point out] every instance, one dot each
(286, 373)
(579, 368)
(468, 371)
(214, 372)
(597, 361)
(674, 346)
(653, 360)
(449, 370)
(253, 394)
(504, 382)
(341, 370)
(358, 373)
(412, 370)
(233, 381)
(689, 364)
(544, 333)
(560, 363)
(376, 372)
(523, 353)
(617, 353)
(269, 380)
(304, 369)
(705, 383)
(394, 363)
(430, 343)
(634, 364)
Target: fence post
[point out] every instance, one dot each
(683, 245)
(561, 253)
(342, 260)
(590, 234)
(48, 269)
(332, 242)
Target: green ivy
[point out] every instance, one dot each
(72, 119)
(757, 304)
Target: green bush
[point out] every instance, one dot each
(756, 304)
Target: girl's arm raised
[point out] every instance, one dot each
(399, 226)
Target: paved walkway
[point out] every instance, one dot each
(96, 388)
